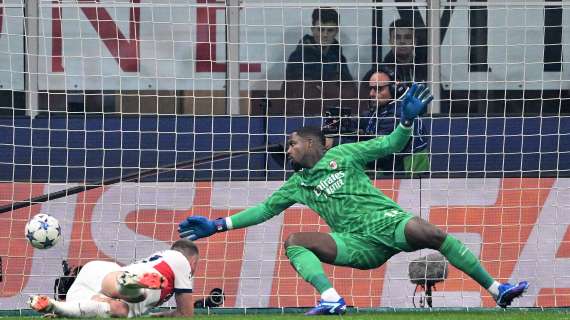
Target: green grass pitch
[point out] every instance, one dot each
(383, 314)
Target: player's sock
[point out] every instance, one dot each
(494, 289)
(85, 308)
(309, 267)
(463, 259)
(330, 295)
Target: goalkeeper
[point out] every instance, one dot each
(367, 227)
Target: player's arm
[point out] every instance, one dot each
(414, 103)
(196, 227)
(184, 306)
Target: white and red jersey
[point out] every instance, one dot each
(174, 266)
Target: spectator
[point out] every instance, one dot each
(317, 75)
(402, 58)
(381, 118)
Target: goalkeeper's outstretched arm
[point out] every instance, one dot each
(196, 227)
(414, 103)
(370, 150)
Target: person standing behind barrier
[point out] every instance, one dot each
(317, 75)
(402, 59)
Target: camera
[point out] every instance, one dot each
(337, 120)
(63, 283)
(214, 299)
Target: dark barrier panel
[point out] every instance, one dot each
(77, 149)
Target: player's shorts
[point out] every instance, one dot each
(89, 280)
(374, 248)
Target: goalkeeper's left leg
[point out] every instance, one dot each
(421, 234)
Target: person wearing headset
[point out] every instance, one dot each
(380, 119)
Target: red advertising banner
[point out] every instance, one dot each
(518, 227)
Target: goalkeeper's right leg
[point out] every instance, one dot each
(300, 249)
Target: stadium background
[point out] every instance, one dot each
(138, 91)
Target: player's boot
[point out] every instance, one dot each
(508, 292)
(150, 280)
(328, 308)
(40, 303)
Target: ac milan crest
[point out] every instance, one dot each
(333, 164)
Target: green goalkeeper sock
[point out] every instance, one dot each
(309, 267)
(463, 259)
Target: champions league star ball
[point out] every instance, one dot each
(43, 231)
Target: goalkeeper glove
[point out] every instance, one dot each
(415, 103)
(197, 227)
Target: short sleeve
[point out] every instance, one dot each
(183, 281)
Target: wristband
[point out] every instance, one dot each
(407, 123)
(221, 225)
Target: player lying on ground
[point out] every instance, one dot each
(367, 227)
(105, 289)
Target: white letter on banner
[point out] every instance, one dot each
(261, 243)
(538, 261)
(110, 232)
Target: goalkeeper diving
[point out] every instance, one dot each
(367, 227)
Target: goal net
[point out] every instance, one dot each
(147, 102)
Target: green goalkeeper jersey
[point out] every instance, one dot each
(336, 188)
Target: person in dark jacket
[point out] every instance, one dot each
(405, 59)
(319, 56)
(317, 73)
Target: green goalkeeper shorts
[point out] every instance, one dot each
(368, 251)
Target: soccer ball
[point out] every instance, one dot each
(43, 231)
